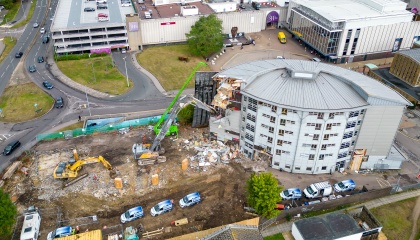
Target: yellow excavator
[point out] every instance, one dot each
(71, 168)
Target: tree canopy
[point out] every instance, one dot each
(205, 36)
(263, 193)
(7, 214)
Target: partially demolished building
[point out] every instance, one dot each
(306, 117)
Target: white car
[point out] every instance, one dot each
(42, 31)
(126, 4)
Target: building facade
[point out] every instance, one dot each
(406, 66)
(350, 30)
(313, 118)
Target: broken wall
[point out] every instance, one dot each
(205, 90)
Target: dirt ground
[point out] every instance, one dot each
(221, 185)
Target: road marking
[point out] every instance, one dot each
(7, 67)
(2, 75)
(383, 183)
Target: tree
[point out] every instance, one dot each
(7, 214)
(205, 36)
(263, 193)
(185, 116)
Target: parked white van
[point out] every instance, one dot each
(31, 224)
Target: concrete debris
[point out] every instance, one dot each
(16, 165)
(226, 90)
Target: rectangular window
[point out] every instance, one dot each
(326, 136)
(297, 168)
(245, 98)
(272, 119)
(278, 152)
(313, 146)
(270, 129)
(362, 111)
(318, 126)
(324, 168)
(359, 122)
(276, 164)
(269, 150)
(331, 116)
(320, 115)
(324, 147)
(308, 169)
(287, 166)
(311, 157)
(250, 117)
(284, 111)
(280, 142)
(316, 137)
(329, 125)
(270, 139)
(283, 122)
(281, 132)
(321, 156)
(274, 109)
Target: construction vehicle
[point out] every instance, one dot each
(165, 127)
(71, 168)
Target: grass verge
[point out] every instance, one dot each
(163, 63)
(10, 15)
(17, 103)
(97, 73)
(277, 236)
(28, 17)
(9, 43)
(395, 218)
(71, 127)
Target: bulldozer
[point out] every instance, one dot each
(71, 168)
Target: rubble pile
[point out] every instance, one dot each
(226, 90)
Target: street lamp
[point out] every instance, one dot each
(87, 99)
(125, 64)
(93, 70)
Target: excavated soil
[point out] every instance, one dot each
(221, 185)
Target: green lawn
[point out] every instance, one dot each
(97, 73)
(163, 63)
(28, 17)
(277, 236)
(17, 103)
(9, 43)
(11, 13)
(395, 218)
(71, 127)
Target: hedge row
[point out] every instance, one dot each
(79, 56)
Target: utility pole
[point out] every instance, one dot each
(87, 99)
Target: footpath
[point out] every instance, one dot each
(286, 227)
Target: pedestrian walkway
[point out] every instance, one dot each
(284, 227)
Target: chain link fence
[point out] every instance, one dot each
(91, 130)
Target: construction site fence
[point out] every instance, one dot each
(107, 128)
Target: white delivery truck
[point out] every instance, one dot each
(320, 189)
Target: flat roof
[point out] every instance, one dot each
(168, 10)
(309, 85)
(328, 226)
(341, 10)
(70, 14)
(412, 53)
(385, 74)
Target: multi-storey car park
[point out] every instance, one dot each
(308, 117)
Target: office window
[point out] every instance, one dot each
(321, 157)
(270, 139)
(284, 111)
(318, 126)
(359, 122)
(281, 132)
(269, 150)
(274, 109)
(270, 129)
(326, 136)
(331, 116)
(272, 119)
(324, 147)
(245, 98)
(278, 152)
(287, 166)
(311, 157)
(276, 164)
(320, 115)
(324, 168)
(283, 122)
(316, 137)
(329, 125)
(297, 168)
(308, 169)
(313, 146)
(280, 142)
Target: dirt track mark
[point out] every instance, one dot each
(414, 218)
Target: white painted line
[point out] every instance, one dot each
(2, 75)
(7, 67)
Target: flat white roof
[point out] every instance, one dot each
(70, 14)
(341, 10)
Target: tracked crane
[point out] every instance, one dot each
(165, 127)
